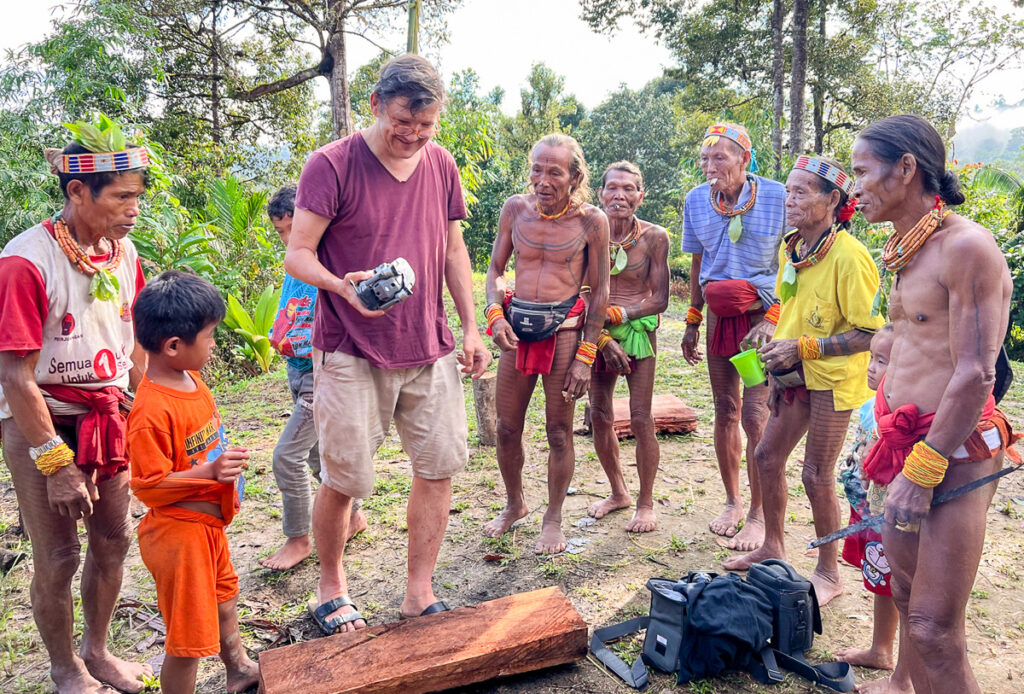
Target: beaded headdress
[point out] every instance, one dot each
(830, 172)
(714, 132)
(108, 150)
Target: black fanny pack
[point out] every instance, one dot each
(706, 624)
(533, 322)
(791, 377)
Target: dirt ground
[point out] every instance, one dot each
(605, 580)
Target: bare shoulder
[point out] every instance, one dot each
(516, 204)
(967, 243)
(594, 221)
(653, 233)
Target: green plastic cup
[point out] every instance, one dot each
(749, 365)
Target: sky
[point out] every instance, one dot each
(502, 39)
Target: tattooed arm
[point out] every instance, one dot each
(844, 344)
(595, 224)
(656, 280)
(501, 331)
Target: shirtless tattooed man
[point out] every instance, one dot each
(638, 295)
(560, 245)
(950, 308)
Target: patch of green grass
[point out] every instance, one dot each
(979, 594)
(550, 569)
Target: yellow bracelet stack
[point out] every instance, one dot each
(54, 459)
(586, 353)
(772, 314)
(494, 313)
(603, 339)
(925, 466)
(694, 316)
(616, 315)
(808, 347)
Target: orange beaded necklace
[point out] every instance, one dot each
(104, 285)
(900, 250)
(550, 217)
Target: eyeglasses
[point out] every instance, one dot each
(418, 131)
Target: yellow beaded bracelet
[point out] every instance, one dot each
(808, 348)
(54, 459)
(494, 313)
(586, 352)
(603, 339)
(694, 316)
(925, 466)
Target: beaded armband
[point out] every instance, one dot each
(925, 466)
(772, 314)
(808, 348)
(694, 316)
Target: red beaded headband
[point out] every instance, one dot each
(96, 162)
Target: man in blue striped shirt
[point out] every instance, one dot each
(732, 226)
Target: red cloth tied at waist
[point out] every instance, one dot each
(898, 432)
(729, 301)
(101, 431)
(537, 357)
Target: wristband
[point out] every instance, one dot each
(772, 314)
(586, 352)
(494, 313)
(808, 348)
(603, 339)
(925, 466)
(54, 459)
(617, 315)
(694, 316)
(36, 451)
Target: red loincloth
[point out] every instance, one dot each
(729, 301)
(898, 432)
(101, 431)
(537, 357)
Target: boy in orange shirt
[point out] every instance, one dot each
(183, 470)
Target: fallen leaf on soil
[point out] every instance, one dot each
(493, 557)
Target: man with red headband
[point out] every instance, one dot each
(817, 358)
(731, 227)
(67, 354)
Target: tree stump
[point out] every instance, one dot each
(484, 390)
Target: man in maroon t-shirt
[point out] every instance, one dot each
(381, 193)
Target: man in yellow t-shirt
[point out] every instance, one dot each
(817, 356)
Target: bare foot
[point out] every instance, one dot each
(760, 554)
(243, 675)
(826, 587)
(600, 509)
(644, 520)
(750, 536)
(294, 550)
(77, 680)
(343, 610)
(504, 520)
(120, 674)
(356, 524)
(867, 657)
(727, 521)
(551, 540)
(886, 685)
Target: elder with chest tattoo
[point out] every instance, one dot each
(560, 246)
(628, 345)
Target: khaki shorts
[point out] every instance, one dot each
(354, 403)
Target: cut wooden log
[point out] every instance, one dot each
(510, 635)
(671, 416)
(484, 389)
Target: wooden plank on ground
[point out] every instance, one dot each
(671, 416)
(510, 635)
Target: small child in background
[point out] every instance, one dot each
(865, 548)
(297, 453)
(184, 471)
